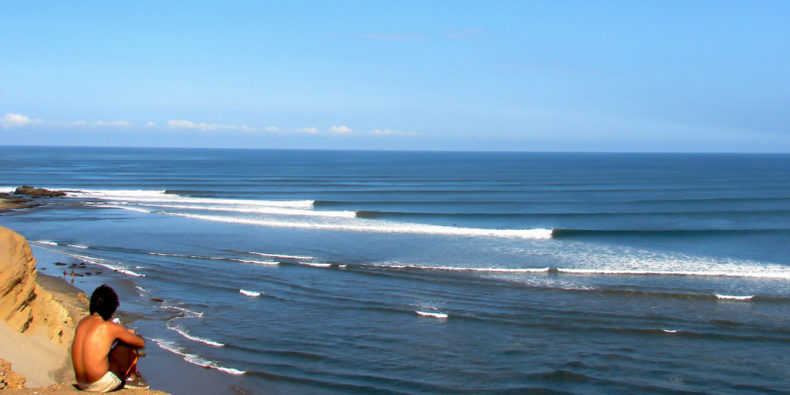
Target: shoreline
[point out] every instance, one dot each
(163, 370)
(69, 284)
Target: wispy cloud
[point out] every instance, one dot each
(310, 130)
(114, 124)
(11, 120)
(206, 127)
(342, 131)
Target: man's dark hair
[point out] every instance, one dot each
(104, 301)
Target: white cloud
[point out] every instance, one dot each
(206, 127)
(271, 128)
(11, 120)
(309, 130)
(150, 125)
(340, 129)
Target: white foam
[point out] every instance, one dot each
(734, 297)
(670, 330)
(80, 246)
(189, 313)
(46, 243)
(713, 273)
(316, 264)
(7, 189)
(193, 358)
(472, 269)
(112, 266)
(122, 207)
(262, 209)
(183, 332)
(282, 256)
(253, 294)
(152, 196)
(264, 263)
(382, 227)
(591, 259)
(168, 255)
(440, 316)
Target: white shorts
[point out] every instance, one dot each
(108, 382)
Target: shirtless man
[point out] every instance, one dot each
(104, 353)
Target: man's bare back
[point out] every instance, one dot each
(101, 364)
(92, 343)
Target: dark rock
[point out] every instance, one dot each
(157, 300)
(38, 192)
(60, 264)
(11, 199)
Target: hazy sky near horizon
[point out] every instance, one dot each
(455, 75)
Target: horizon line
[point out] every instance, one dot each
(401, 150)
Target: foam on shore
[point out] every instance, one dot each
(194, 358)
(183, 332)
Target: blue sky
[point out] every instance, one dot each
(446, 75)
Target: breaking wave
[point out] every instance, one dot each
(253, 294)
(439, 316)
(383, 227)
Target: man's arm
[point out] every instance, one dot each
(127, 336)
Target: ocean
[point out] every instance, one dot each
(431, 272)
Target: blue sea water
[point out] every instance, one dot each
(434, 272)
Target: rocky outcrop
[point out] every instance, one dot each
(8, 378)
(8, 202)
(38, 192)
(24, 305)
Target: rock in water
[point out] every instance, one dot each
(38, 192)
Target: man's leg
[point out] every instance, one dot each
(123, 360)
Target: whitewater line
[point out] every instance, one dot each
(538, 234)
